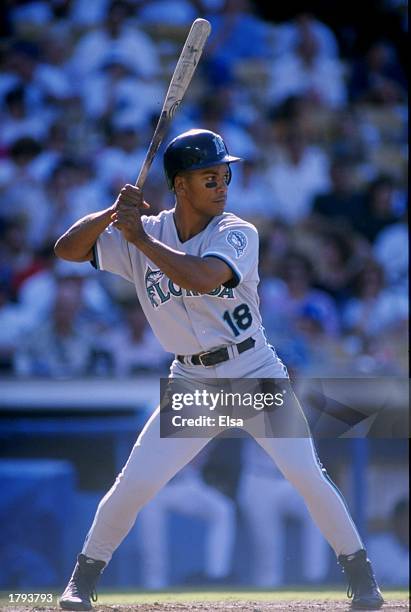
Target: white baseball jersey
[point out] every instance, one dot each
(187, 322)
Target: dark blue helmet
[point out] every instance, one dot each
(193, 150)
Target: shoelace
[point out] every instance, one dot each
(74, 587)
(93, 596)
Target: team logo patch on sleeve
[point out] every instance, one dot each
(238, 240)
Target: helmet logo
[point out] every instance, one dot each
(219, 145)
(238, 240)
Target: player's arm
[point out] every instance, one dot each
(190, 272)
(76, 244)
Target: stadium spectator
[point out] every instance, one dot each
(132, 346)
(374, 308)
(337, 257)
(305, 71)
(349, 140)
(87, 14)
(341, 204)
(21, 262)
(275, 243)
(378, 210)
(20, 121)
(21, 64)
(33, 211)
(300, 173)
(314, 352)
(249, 194)
(38, 291)
(294, 290)
(234, 24)
(288, 33)
(117, 163)
(218, 113)
(284, 299)
(115, 35)
(86, 192)
(116, 93)
(61, 346)
(52, 72)
(58, 188)
(54, 147)
(16, 255)
(378, 77)
(15, 323)
(30, 14)
(172, 13)
(391, 251)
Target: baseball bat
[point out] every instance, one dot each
(183, 73)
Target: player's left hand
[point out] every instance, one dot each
(127, 213)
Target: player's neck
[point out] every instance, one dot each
(189, 223)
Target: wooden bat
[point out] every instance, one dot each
(183, 73)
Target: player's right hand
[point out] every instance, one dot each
(126, 213)
(130, 196)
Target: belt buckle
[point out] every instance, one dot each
(200, 358)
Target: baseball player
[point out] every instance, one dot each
(195, 269)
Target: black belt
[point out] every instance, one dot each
(210, 358)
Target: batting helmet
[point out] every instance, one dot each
(193, 150)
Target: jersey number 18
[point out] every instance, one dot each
(240, 318)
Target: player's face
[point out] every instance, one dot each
(206, 189)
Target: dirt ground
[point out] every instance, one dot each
(225, 606)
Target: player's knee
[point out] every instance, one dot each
(146, 490)
(137, 490)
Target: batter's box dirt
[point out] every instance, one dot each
(225, 606)
(247, 606)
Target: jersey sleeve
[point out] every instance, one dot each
(237, 245)
(111, 252)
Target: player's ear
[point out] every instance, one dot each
(179, 184)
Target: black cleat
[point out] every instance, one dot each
(362, 585)
(81, 589)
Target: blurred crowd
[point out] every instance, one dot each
(322, 129)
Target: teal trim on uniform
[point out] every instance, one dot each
(95, 262)
(327, 477)
(236, 273)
